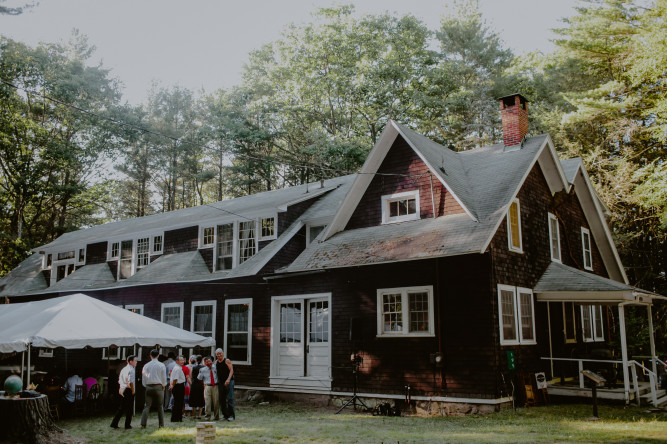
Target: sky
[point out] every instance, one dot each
(203, 44)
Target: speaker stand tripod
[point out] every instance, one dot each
(355, 398)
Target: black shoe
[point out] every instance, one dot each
(113, 426)
(127, 428)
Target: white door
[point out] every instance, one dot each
(303, 349)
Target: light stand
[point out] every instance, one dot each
(356, 362)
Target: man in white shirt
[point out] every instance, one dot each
(70, 386)
(169, 364)
(177, 388)
(126, 389)
(154, 378)
(209, 377)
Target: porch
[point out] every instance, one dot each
(628, 379)
(643, 388)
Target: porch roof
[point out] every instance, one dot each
(561, 283)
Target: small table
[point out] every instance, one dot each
(25, 419)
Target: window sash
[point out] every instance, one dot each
(125, 262)
(225, 250)
(526, 314)
(143, 246)
(569, 324)
(516, 311)
(268, 228)
(157, 244)
(290, 322)
(208, 236)
(405, 311)
(400, 207)
(238, 330)
(514, 226)
(202, 319)
(586, 248)
(554, 238)
(247, 244)
(172, 314)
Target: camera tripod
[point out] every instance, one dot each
(356, 362)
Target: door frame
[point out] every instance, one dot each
(313, 383)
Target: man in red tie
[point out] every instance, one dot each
(209, 378)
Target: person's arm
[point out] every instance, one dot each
(231, 372)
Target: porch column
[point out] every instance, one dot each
(651, 337)
(624, 353)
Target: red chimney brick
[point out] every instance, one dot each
(514, 112)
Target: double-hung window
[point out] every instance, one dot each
(238, 330)
(207, 237)
(114, 250)
(517, 316)
(586, 248)
(400, 207)
(202, 319)
(172, 314)
(591, 323)
(143, 246)
(125, 262)
(405, 311)
(225, 248)
(514, 227)
(554, 238)
(157, 245)
(247, 243)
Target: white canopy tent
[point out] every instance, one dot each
(78, 321)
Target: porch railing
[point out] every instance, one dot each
(632, 365)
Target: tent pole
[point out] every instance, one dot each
(22, 365)
(551, 350)
(28, 378)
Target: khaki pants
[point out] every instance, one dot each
(211, 401)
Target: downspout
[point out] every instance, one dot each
(443, 381)
(28, 375)
(430, 177)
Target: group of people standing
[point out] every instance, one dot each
(210, 386)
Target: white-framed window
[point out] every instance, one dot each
(591, 323)
(517, 315)
(406, 311)
(202, 318)
(569, 323)
(172, 313)
(112, 353)
(238, 330)
(114, 250)
(157, 246)
(135, 308)
(125, 266)
(514, 227)
(400, 207)
(143, 252)
(206, 236)
(63, 266)
(586, 248)
(267, 226)
(312, 232)
(47, 261)
(554, 238)
(225, 247)
(247, 240)
(81, 256)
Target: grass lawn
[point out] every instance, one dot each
(290, 423)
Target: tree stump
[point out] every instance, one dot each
(26, 420)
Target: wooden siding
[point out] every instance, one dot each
(403, 170)
(181, 240)
(96, 253)
(525, 269)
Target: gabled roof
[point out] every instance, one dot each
(27, 279)
(564, 283)
(251, 206)
(484, 181)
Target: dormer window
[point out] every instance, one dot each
(400, 207)
(514, 227)
(142, 252)
(268, 227)
(554, 238)
(208, 236)
(114, 250)
(157, 244)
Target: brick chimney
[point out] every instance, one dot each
(514, 112)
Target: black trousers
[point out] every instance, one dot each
(125, 406)
(178, 392)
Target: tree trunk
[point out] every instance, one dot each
(26, 420)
